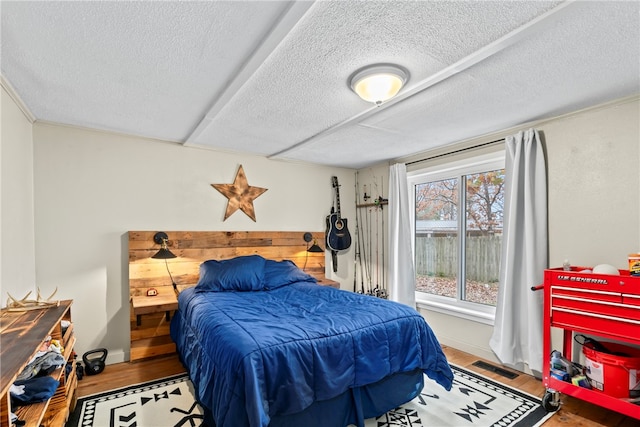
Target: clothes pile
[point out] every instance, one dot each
(34, 384)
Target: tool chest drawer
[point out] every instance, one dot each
(631, 299)
(599, 303)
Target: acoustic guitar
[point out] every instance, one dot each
(338, 236)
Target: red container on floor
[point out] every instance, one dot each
(617, 375)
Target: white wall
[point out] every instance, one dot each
(92, 187)
(594, 185)
(17, 244)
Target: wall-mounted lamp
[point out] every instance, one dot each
(378, 83)
(164, 253)
(161, 238)
(308, 237)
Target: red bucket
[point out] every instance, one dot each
(617, 375)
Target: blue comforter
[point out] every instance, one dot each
(277, 351)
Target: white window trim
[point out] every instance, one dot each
(463, 309)
(481, 163)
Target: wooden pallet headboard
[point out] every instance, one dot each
(194, 247)
(150, 332)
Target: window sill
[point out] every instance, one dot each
(487, 317)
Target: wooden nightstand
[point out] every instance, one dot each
(150, 321)
(155, 304)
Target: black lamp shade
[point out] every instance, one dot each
(161, 238)
(315, 248)
(164, 253)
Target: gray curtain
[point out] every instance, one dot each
(517, 334)
(402, 278)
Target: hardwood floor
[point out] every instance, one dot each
(128, 373)
(573, 412)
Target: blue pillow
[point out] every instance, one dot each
(282, 273)
(244, 273)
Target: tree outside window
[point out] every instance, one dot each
(440, 234)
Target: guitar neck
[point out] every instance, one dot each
(337, 187)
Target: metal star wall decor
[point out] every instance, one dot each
(240, 194)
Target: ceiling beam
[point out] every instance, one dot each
(285, 23)
(509, 39)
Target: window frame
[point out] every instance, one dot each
(453, 169)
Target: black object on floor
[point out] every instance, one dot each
(496, 369)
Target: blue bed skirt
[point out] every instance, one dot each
(351, 407)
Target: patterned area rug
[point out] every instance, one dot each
(473, 401)
(165, 402)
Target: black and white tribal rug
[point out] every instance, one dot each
(474, 401)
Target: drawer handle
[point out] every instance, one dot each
(586, 291)
(600, 316)
(609, 303)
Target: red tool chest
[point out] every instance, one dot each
(595, 304)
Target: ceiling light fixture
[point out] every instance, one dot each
(378, 83)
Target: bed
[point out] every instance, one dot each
(264, 344)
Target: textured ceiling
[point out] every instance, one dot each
(270, 78)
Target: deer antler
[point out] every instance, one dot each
(25, 304)
(54, 292)
(14, 302)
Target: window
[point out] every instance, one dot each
(458, 216)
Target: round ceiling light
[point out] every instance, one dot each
(378, 83)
